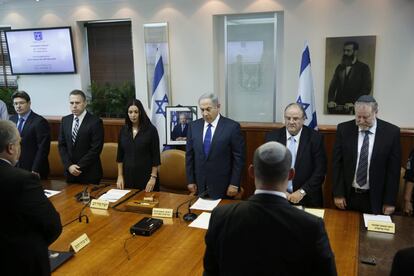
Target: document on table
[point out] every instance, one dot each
(382, 218)
(316, 212)
(50, 193)
(114, 195)
(201, 221)
(205, 204)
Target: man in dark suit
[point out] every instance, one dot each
(215, 152)
(403, 264)
(30, 222)
(308, 154)
(352, 79)
(35, 133)
(366, 161)
(81, 141)
(179, 132)
(265, 235)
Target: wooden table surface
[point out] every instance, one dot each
(175, 249)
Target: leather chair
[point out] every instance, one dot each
(172, 175)
(56, 169)
(399, 206)
(109, 164)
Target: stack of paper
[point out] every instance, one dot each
(201, 221)
(205, 204)
(50, 193)
(316, 212)
(114, 195)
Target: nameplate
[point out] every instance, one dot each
(162, 212)
(379, 226)
(80, 243)
(99, 204)
(149, 198)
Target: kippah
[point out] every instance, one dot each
(366, 99)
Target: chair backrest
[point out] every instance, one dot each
(172, 171)
(399, 205)
(108, 160)
(56, 169)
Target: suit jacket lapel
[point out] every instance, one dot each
(353, 140)
(198, 134)
(28, 122)
(304, 140)
(217, 133)
(81, 127)
(282, 137)
(377, 140)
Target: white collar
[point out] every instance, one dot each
(297, 136)
(372, 129)
(5, 160)
(81, 116)
(270, 192)
(213, 123)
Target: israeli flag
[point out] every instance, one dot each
(159, 99)
(306, 96)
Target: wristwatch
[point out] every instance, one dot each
(302, 192)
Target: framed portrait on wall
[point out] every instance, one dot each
(177, 120)
(349, 72)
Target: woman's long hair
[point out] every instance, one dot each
(143, 120)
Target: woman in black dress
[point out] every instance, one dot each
(138, 154)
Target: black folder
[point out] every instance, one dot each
(57, 258)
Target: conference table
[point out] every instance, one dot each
(177, 249)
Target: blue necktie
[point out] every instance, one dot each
(292, 148)
(207, 140)
(20, 125)
(362, 171)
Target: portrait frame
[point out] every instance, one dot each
(339, 97)
(172, 119)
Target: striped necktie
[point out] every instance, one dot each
(75, 130)
(362, 171)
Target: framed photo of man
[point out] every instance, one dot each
(349, 72)
(177, 120)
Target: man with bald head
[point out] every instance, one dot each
(265, 235)
(308, 157)
(366, 161)
(31, 223)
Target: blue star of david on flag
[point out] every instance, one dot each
(304, 105)
(160, 105)
(306, 96)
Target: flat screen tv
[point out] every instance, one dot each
(41, 51)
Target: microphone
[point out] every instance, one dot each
(190, 216)
(78, 196)
(181, 204)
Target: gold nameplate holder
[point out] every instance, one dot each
(80, 243)
(162, 212)
(380, 226)
(99, 204)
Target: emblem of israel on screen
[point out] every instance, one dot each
(38, 36)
